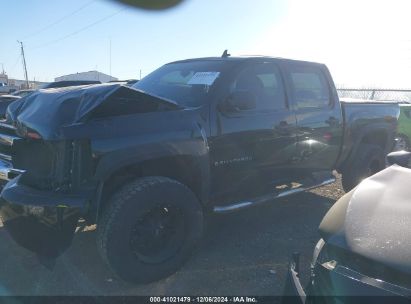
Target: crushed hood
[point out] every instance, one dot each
(46, 111)
(374, 219)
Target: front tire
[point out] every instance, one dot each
(149, 229)
(370, 160)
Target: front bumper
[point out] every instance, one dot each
(340, 285)
(294, 291)
(41, 221)
(7, 172)
(16, 193)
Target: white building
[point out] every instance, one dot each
(90, 75)
(4, 78)
(18, 84)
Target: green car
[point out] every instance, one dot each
(403, 139)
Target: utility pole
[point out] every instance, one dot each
(110, 55)
(24, 64)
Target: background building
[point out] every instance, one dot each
(90, 75)
(4, 78)
(18, 84)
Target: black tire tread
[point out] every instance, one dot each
(406, 139)
(121, 197)
(351, 174)
(117, 202)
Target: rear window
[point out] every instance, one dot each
(310, 88)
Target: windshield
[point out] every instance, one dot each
(187, 83)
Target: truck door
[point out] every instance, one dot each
(255, 133)
(319, 116)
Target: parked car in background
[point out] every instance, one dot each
(5, 88)
(403, 138)
(69, 83)
(131, 82)
(22, 93)
(365, 243)
(5, 101)
(148, 163)
(128, 82)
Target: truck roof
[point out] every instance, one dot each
(371, 101)
(257, 58)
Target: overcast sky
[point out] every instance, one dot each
(364, 43)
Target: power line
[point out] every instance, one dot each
(58, 21)
(80, 30)
(14, 65)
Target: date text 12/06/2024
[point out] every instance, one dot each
(240, 299)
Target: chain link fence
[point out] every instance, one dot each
(401, 95)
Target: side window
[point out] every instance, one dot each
(264, 82)
(310, 88)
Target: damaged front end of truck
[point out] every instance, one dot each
(46, 160)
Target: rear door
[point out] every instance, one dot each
(319, 116)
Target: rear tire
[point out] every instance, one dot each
(402, 142)
(370, 160)
(149, 229)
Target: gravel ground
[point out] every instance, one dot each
(244, 253)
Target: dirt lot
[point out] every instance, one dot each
(245, 253)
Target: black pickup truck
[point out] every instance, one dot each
(148, 163)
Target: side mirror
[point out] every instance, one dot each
(401, 158)
(240, 101)
(151, 4)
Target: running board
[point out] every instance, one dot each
(269, 197)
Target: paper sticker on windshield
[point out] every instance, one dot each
(206, 78)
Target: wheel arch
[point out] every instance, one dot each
(405, 137)
(379, 135)
(192, 171)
